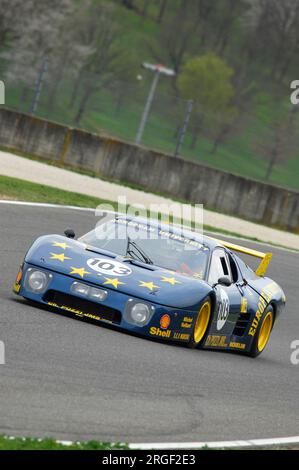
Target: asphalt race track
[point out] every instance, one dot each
(68, 379)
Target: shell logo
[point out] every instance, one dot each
(165, 321)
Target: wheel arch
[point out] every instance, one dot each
(274, 306)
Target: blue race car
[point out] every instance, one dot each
(170, 285)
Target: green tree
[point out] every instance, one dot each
(280, 141)
(207, 81)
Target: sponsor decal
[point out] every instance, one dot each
(155, 233)
(109, 267)
(157, 332)
(223, 309)
(181, 336)
(187, 322)
(237, 345)
(16, 288)
(165, 321)
(264, 299)
(17, 285)
(244, 305)
(78, 313)
(216, 341)
(188, 319)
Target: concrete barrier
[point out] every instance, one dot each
(154, 171)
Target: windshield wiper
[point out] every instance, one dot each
(134, 249)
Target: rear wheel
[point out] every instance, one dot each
(263, 333)
(201, 324)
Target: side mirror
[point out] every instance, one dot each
(224, 281)
(69, 233)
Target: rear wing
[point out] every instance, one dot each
(265, 257)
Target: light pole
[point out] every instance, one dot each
(158, 69)
(38, 86)
(184, 128)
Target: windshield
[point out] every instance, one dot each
(163, 248)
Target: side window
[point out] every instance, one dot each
(233, 267)
(219, 266)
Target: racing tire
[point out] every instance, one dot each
(263, 332)
(201, 324)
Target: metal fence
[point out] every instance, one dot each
(262, 144)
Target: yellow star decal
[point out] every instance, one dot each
(61, 245)
(168, 271)
(59, 256)
(113, 282)
(149, 285)
(170, 280)
(198, 275)
(80, 271)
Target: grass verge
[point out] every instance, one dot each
(27, 443)
(16, 189)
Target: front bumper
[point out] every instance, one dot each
(58, 295)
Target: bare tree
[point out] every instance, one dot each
(35, 34)
(177, 37)
(274, 33)
(162, 10)
(98, 31)
(280, 143)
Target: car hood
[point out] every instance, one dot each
(151, 283)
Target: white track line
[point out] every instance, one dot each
(90, 209)
(218, 444)
(44, 204)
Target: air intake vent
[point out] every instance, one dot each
(241, 324)
(86, 306)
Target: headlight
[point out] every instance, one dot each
(138, 313)
(98, 294)
(37, 281)
(80, 289)
(86, 291)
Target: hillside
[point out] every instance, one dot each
(93, 79)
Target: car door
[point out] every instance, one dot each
(228, 305)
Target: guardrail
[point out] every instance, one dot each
(154, 171)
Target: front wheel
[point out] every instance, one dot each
(201, 324)
(263, 333)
